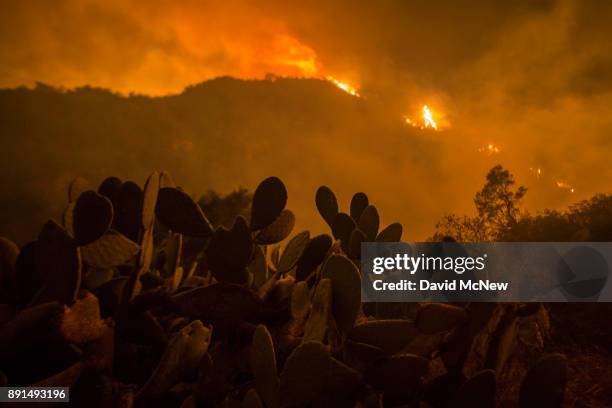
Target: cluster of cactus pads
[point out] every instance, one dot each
(137, 300)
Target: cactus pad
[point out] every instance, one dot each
(477, 392)
(544, 384)
(180, 359)
(434, 318)
(389, 335)
(220, 301)
(263, 366)
(316, 325)
(92, 217)
(359, 202)
(110, 250)
(313, 255)
(278, 230)
(269, 200)
(369, 222)
(59, 264)
(304, 375)
(229, 252)
(128, 210)
(177, 211)
(342, 227)
(391, 233)
(326, 204)
(346, 290)
(293, 251)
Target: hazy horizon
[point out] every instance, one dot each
(524, 84)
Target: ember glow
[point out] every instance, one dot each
(344, 86)
(413, 123)
(489, 149)
(536, 171)
(565, 186)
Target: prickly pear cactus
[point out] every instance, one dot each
(327, 204)
(269, 201)
(263, 366)
(229, 253)
(92, 217)
(278, 230)
(139, 301)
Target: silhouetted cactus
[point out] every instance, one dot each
(58, 261)
(305, 374)
(326, 204)
(251, 400)
(177, 211)
(76, 187)
(359, 203)
(129, 290)
(544, 383)
(278, 230)
(391, 336)
(128, 210)
(229, 253)
(313, 255)
(318, 320)
(269, 200)
(91, 217)
(300, 300)
(217, 302)
(346, 290)
(354, 246)
(258, 267)
(439, 317)
(391, 233)
(399, 378)
(293, 251)
(109, 188)
(180, 359)
(9, 252)
(342, 226)
(477, 392)
(263, 366)
(149, 200)
(110, 250)
(369, 222)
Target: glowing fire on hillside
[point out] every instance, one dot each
(290, 55)
(489, 149)
(344, 86)
(536, 171)
(426, 121)
(565, 186)
(428, 118)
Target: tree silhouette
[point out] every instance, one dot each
(498, 202)
(497, 209)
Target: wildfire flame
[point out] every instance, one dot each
(413, 123)
(537, 171)
(428, 118)
(344, 86)
(489, 149)
(291, 57)
(565, 186)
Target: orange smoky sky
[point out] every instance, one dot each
(154, 47)
(531, 78)
(525, 51)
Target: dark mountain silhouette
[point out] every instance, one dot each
(220, 134)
